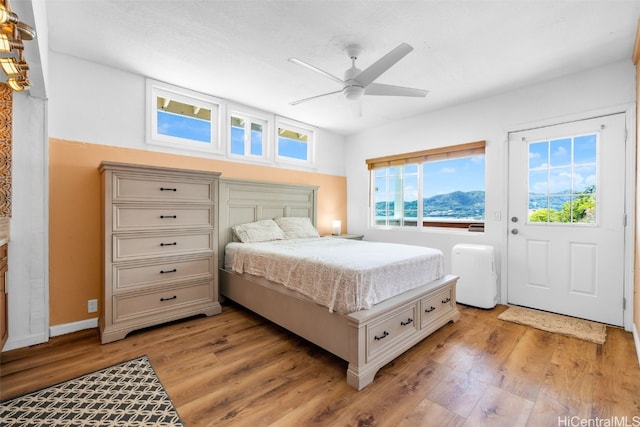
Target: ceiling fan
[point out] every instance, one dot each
(362, 82)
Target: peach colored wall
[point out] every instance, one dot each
(74, 212)
(636, 287)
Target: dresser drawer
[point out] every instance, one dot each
(434, 306)
(383, 334)
(145, 246)
(130, 218)
(126, 307)
(127, 277)
(162, 189)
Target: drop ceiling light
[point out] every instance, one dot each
(7, 44)
(12, 67)
(18, 83)
(12, 32)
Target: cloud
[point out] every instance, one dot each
(448, 170)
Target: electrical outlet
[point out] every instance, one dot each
(92, 305)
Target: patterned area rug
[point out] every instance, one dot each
(127, 394)
(564, 325)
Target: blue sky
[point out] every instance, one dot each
(446, 176)
(184, 127)
(551, 169)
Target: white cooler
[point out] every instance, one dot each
(475, 266)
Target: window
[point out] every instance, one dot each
(294, 143)
(443, 187)
(248, 136)
(562, 180)
(182, 118)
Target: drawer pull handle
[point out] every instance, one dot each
(408, 322)
(430, 309)
(168, 216)
(169, 244)
(168, 299)
(384, 335)
(168, 271)
(168, 189)
(446, 300)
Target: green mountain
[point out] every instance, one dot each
(456, 205)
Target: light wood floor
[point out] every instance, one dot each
(238, 369)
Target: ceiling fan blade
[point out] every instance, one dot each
(316, 69)
(300, 101)
(375, 70)
(391, 90)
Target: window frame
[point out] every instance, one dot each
(250, 116)
(155, 89)
(420, 157)
(297, 127)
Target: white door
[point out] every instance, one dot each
(567, 218)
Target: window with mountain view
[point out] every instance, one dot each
(442, 187)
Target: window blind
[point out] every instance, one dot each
(455, 151)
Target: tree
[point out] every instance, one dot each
(584, 209)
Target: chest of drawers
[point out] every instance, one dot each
(159, 229)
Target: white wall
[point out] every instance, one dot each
(28, 277)
(102, 105)
(608, 89)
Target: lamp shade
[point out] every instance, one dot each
(336, 227)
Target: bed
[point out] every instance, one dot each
(367, 335)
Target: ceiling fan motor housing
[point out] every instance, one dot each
(352, 90)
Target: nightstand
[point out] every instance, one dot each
(347, 236)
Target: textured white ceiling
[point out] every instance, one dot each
(239, 50)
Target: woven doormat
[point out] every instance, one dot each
(126, 394)
(559, 324)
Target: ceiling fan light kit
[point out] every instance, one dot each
(357, 83)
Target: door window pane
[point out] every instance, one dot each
(563, 189)
(560, 152)
(538, 154)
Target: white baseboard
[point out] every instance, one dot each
(25, 341)
(67, 328)
(636, 339)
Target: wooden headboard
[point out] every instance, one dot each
(243, 201)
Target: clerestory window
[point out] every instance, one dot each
(181, 118)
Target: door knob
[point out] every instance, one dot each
(514, 219)
(514, 231)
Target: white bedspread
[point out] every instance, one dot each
(341, 274)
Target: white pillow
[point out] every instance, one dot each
(297, 227)
(258, 231)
